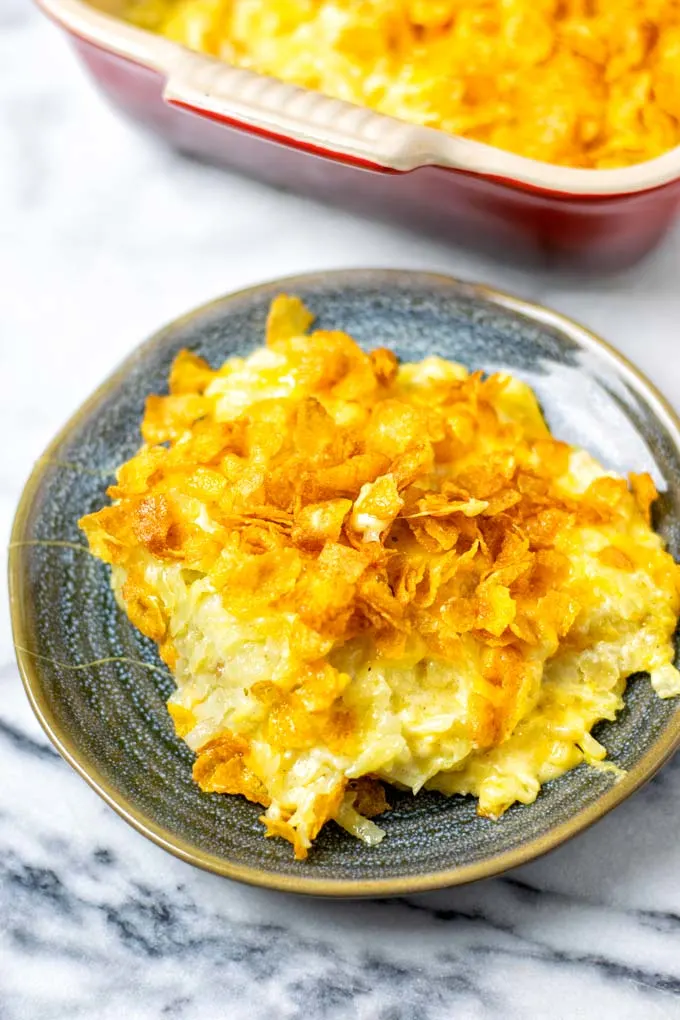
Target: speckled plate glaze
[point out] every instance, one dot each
(99, 688)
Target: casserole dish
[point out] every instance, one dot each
(292, 137)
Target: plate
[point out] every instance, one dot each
(99, 688)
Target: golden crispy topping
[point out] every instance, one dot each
(348, 525)
(645, 493)
(221, 768)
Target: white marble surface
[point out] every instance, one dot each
(104, 235)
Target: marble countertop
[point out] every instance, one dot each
(105, 234)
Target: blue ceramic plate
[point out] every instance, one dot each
(99, 688)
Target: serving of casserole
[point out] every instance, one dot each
(343, 569)
(363, 572)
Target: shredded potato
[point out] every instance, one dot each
(583, 83)
(363, 572)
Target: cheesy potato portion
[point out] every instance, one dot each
(363, 572)
(585, 84)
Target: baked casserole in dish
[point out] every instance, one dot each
(290, 135)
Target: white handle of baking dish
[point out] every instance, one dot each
(309, 120)
(297, 116)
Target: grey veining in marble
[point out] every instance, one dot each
(104, 234)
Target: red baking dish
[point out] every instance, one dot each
(292, 137)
